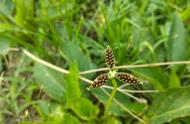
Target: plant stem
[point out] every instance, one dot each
(136, 66)
(111, 97)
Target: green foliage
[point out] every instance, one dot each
(177, 47)
(177, 43)
(51, 81)
(73, 35)
(72, 84)
(70, 119)
(115, 109)
(73, 53)
(84, 109)
(154, 75)
(175, 105)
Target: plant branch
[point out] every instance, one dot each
(124, 85)
(139, 91)
(51, 65)
(137, 66)
(44, 62)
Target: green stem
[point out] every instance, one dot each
(111, 97)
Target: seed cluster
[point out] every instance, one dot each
(127, 78)
(110, 61)
(99, 81)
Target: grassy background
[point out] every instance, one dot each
(73, 35)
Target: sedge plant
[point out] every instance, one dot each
(111, 75)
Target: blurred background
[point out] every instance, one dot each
(73, 34)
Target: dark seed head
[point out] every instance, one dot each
(99, 81)
(110, 61)
(127, 78)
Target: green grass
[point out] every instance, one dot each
(73, 35)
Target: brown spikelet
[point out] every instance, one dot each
(110, 61)
(99, 81)
(127, 78)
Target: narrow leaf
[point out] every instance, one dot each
(174, 79)
(72, 84)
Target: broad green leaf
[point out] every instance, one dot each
(168, 105)
(51, 81)
(72, 84)
(178, 46)
(84, 109)
(73, 53)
